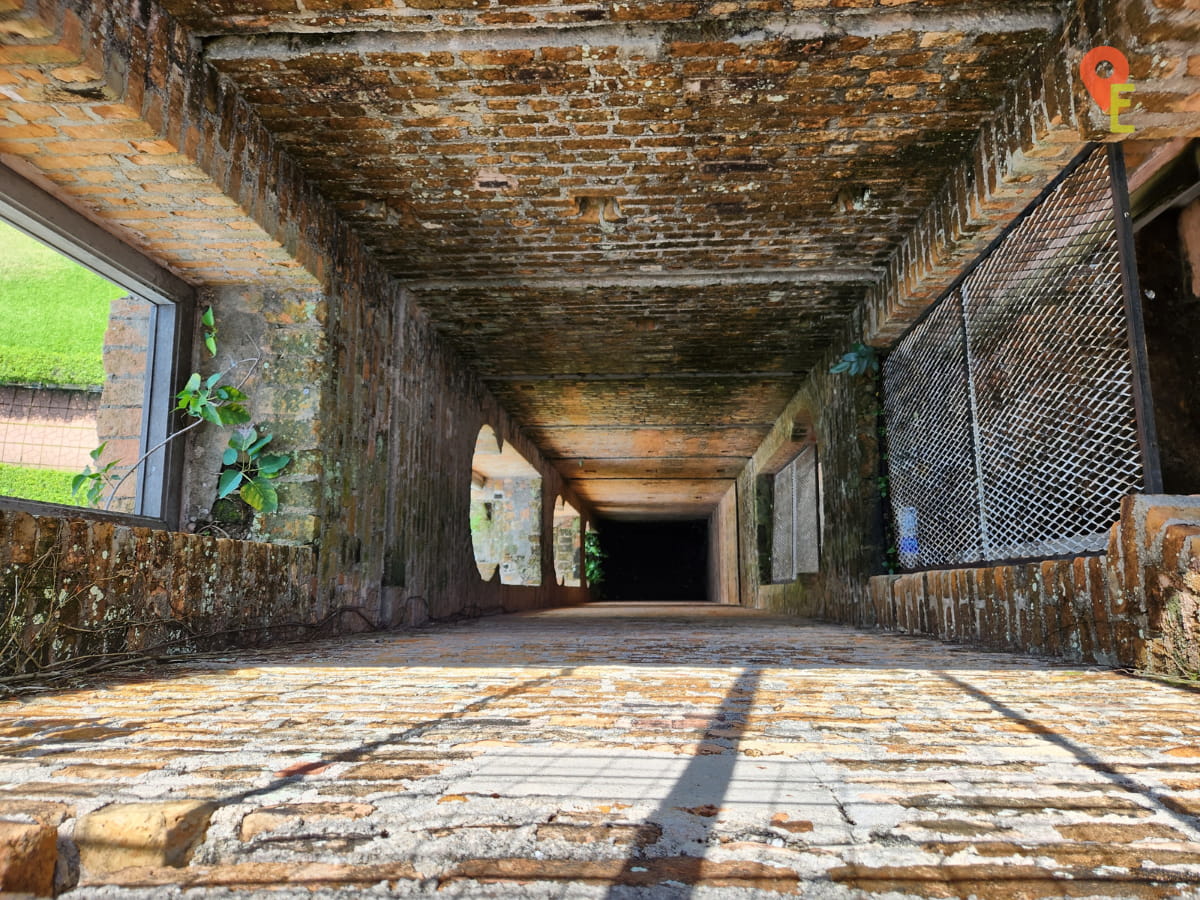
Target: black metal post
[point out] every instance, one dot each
(1143, 402)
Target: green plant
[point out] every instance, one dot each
(593, 561)
(247, 469)
(94, 482)
(860, 360)
(210, 331)
(251, 472)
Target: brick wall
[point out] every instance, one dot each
(419, 412)
(352, 379)
(841, 410)
(1137, 605)
(722, 550)
(72, 588)
(119, 418)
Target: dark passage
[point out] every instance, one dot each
(1172, 314)
(655, 561)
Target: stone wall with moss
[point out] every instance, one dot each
(77, 592)
(273, 342)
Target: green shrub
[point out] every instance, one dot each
(28, 483)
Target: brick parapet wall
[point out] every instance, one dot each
(1135, 606)
(74, 588)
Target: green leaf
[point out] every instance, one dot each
(230, 394)
(233, 414)
(272, 463)
(210, 413)
(98, 452)
(228, 482)
(77, 482)
(207, 319)
(229, 457)
(212, 380)
(243, 438)
(210, 341)
(260, 494)
(193, 385)
(262, 442)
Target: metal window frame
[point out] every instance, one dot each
(1136, 340)
(160, 478)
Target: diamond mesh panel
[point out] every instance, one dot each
(931, 465)
(1010, 414)
(1049, 345)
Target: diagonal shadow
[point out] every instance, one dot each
(699, 793)
(357, 754)
(1164, 802)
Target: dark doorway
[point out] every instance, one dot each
(1171, 310)
(655, 561)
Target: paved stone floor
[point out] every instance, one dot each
(618, 751)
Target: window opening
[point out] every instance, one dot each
(87, 349)
(506, 512)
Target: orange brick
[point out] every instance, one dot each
(74, 162)
(87, 148)
(122, 131)
(10, 132)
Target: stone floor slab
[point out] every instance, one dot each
(628, 752)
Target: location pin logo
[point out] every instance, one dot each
(1099, 86)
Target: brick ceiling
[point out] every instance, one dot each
(642, 223)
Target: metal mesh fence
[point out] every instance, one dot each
(1011, 423)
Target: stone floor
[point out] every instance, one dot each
(615, 751)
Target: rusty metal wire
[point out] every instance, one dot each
(1010, 411)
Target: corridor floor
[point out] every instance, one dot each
(619, 751)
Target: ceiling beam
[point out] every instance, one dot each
(654, 376)
(296, 39)
(692, 278)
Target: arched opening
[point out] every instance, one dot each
(568, 544)
(506, 505)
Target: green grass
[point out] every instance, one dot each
(47, 485)
(53, 314)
